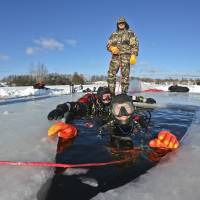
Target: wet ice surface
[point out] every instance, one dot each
(23, 138)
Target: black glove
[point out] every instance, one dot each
(59, 112)
(150, 100)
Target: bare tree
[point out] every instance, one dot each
(39, 72)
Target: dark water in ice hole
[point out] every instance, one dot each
(89, 147)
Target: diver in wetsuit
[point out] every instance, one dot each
(97, 107)
(126, 123)
(118, 115)
(89, 105)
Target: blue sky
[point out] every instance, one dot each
(70, 36)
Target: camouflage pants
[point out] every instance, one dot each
(119, 62)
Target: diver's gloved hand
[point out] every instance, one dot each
(59, 112)
(114, 50)
(150, 100)
(165, 140)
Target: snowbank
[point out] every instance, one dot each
(135, 86)
(139, 86)
(7, 93)
(11, 92)
(164, 87)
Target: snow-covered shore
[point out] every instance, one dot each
(164, 87)
(28, 91)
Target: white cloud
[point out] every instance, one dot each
(45, 44)
(71, 42)
(32, 50)
(49, 43)
(4, 57)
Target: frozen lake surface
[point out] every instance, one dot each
(24, 138)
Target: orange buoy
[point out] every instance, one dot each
(66, 131)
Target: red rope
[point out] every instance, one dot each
(51, 164)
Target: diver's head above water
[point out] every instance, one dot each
(122, 109)
(104, 95)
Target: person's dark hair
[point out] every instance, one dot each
(103, 90)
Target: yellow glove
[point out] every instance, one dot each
(114, 50)
(133, 59)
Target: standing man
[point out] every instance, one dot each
(123, 45)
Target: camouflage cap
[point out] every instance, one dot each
(121, 20)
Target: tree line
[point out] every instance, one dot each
(77, 79)
(49, 79)
(39, 73)
(183, 81)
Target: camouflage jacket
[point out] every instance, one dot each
(125, 40)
